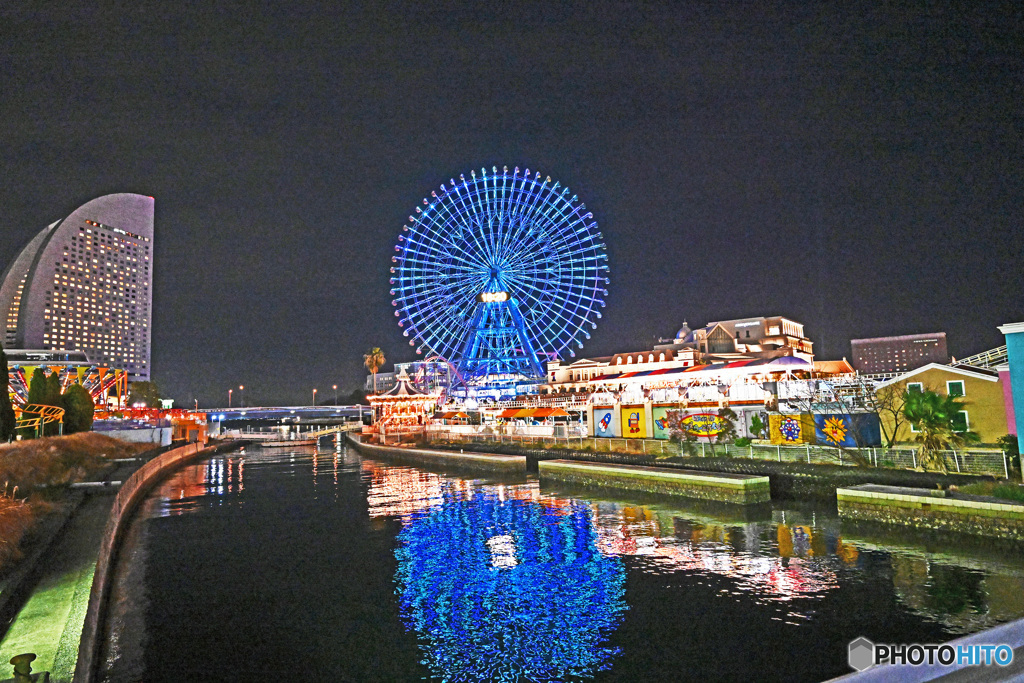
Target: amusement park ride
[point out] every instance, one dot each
(495, 275)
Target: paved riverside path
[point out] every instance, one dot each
(51, 620)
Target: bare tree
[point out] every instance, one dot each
(889, 402)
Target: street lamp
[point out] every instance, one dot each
(335, 394)
(314, 398)
(229, 397)
(241, 396)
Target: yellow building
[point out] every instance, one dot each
(981, 389)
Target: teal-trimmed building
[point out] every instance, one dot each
(1014, 333)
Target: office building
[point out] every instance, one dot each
(85, 283)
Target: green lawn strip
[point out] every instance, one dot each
(1010, 492)
(67, 648)
(50, 623)
(41, 622)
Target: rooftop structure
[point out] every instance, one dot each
(727, 341)
(85, 284)
(426, 375)
(760, 337)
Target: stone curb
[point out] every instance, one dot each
(479, 462)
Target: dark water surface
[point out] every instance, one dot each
(326, 566)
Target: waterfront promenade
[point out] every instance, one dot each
(61, 584)
(54, 580)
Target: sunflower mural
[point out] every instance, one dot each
(844, 431)
(835, 431)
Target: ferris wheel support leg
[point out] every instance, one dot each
(524, 339)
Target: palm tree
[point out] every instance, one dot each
(936, 421)
(374, 360)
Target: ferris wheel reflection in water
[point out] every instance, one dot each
(508, 588)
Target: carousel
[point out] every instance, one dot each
(402, 409)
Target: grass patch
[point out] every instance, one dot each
(990, 488)
(60, 460)
(34, 475)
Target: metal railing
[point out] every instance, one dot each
(989, 462)
(36, 416)
(986, 359)
(551, 401)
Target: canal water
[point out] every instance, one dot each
(327, 566)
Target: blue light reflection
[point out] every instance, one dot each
(508, 590)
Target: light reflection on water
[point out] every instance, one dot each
(511, 581)
(499, 582)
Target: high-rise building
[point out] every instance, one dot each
(85, 283)
(898, 354)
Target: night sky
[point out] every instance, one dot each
(858, 169)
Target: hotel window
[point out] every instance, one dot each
(960, 421)
(915, 387)
(955, 388)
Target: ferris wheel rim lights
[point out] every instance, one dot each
(499, 237)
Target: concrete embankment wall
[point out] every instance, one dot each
(160, 436)
(132, 492)
(739, 489)
(799, 481)
(789, 480)
(476, 462)
(923, 509)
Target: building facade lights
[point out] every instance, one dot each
(77, 285)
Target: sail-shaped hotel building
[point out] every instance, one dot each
(85, 283)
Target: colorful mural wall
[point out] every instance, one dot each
(848, 431)
(633, 424)
(660, 417)
(704, 424)
(603, 422)
(793, 429)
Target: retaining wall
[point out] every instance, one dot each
(725, 488)
(923, 509)
(477, 462)
(132, 492)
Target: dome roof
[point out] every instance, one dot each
(684, 331)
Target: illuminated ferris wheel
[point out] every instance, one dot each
(499, 273)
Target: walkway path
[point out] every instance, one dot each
(50, 623)
(51, 620)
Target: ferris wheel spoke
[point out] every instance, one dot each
(550, 298)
